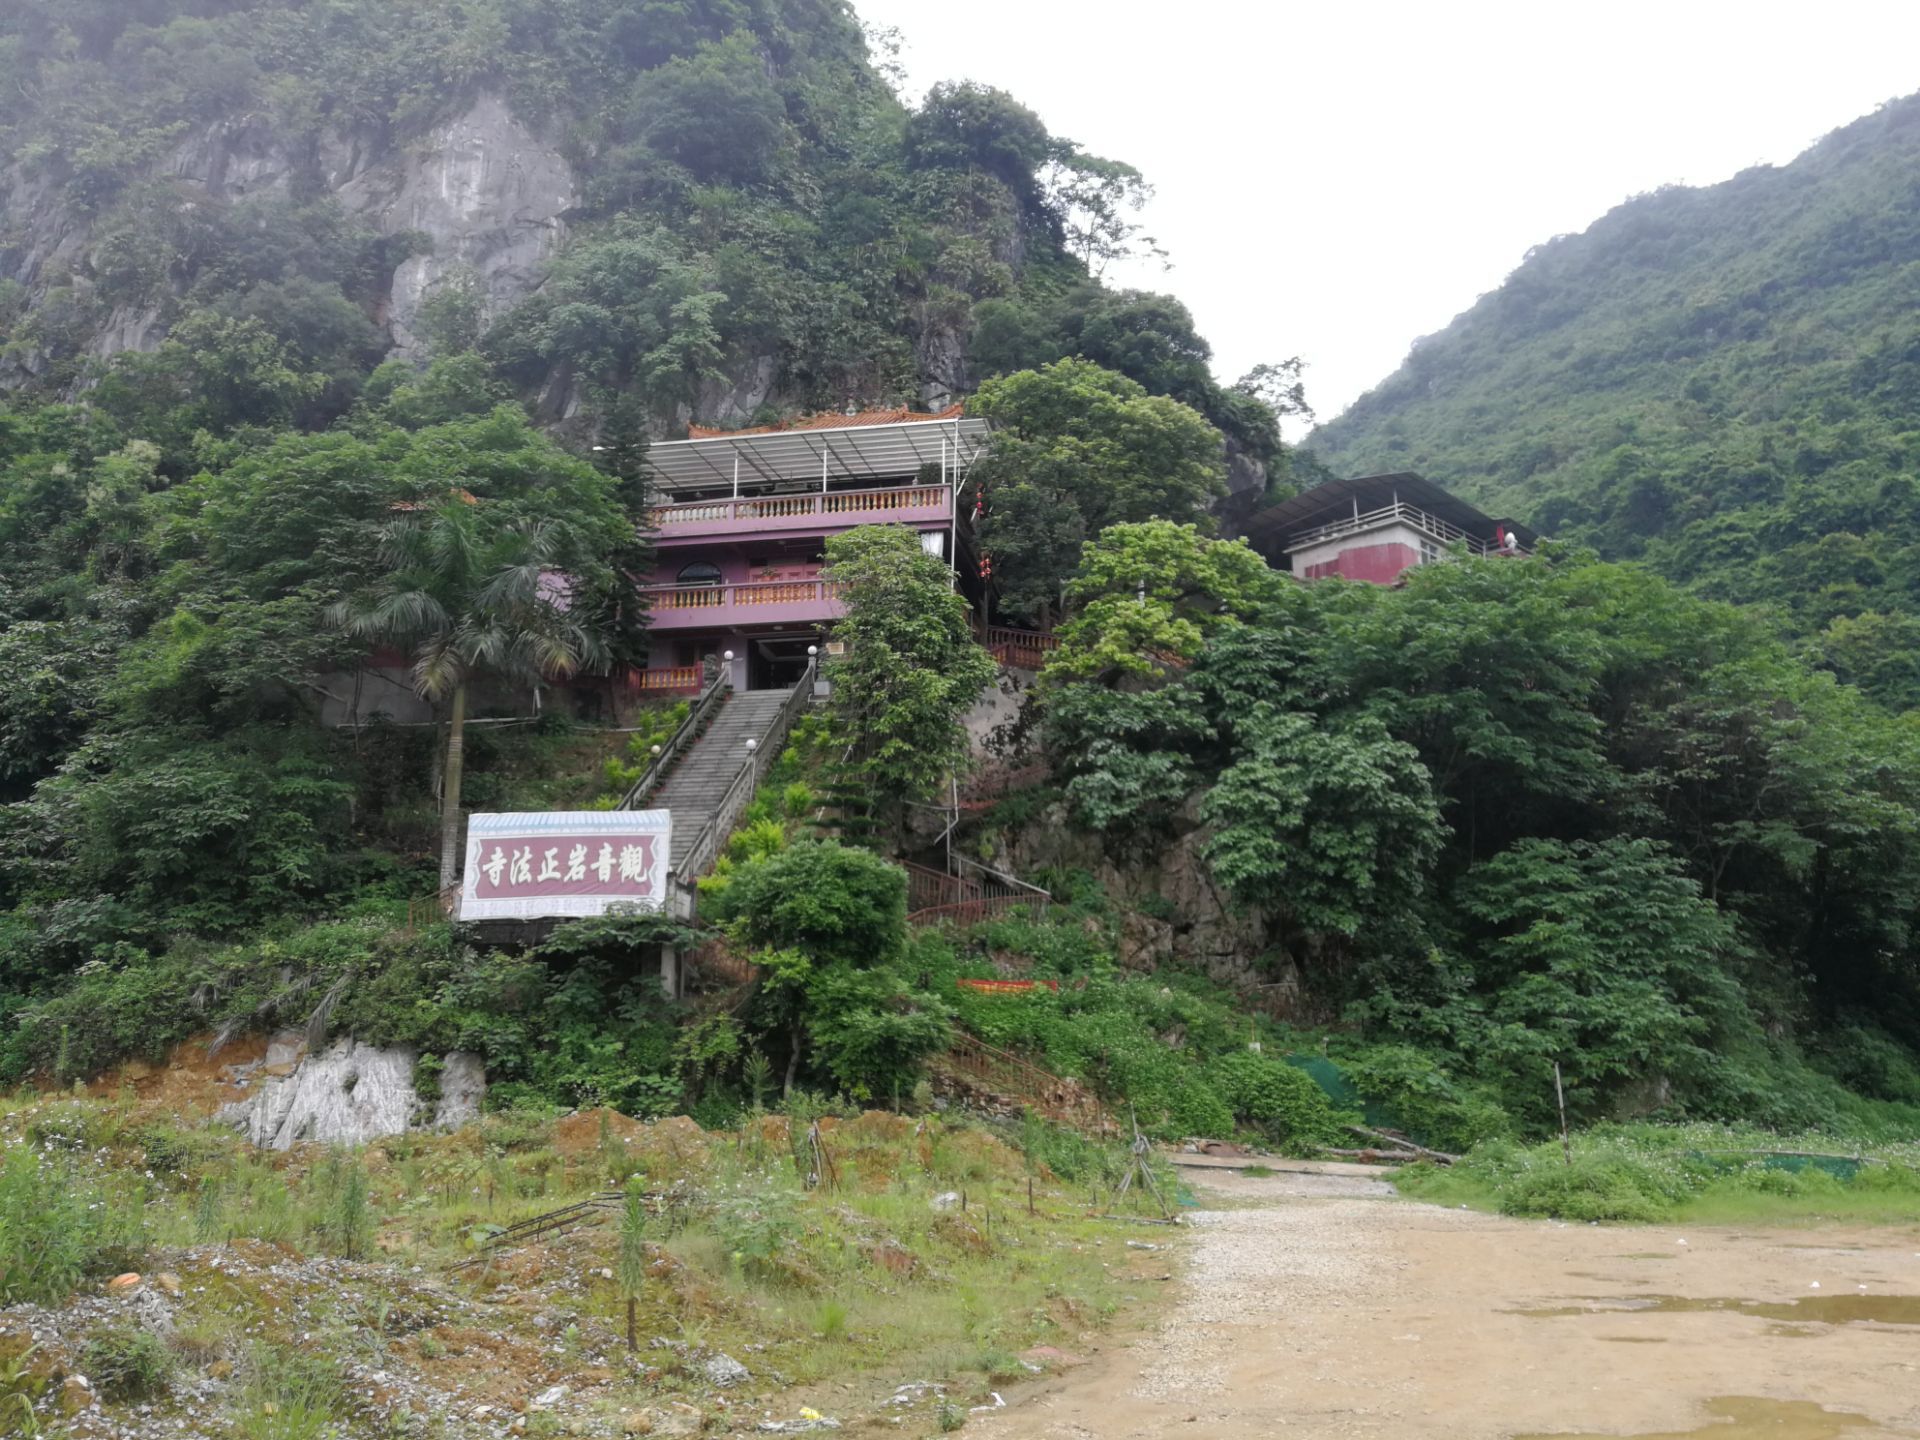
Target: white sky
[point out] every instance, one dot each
(1337, 179)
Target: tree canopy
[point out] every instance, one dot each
(1524, 810)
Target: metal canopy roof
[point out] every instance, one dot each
(1270, 531)
(872, 452)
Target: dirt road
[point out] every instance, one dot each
(1323, 1307)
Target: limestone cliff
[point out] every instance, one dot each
(483, 193)
(1172, 910)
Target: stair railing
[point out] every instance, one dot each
(991, 879)
(705, 848)
(710, 700)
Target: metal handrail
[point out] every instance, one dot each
(1000, 877)
(1419, 519)
(974, 912)
(696, 720)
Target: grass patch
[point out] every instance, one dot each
(301, 1269)
(1699, 1174)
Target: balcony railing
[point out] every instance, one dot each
(771, 602)
(663, 598)
(681, 680)
(835, 507)
(1022, 649)
(1396, 513)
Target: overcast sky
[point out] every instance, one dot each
(1337, 179)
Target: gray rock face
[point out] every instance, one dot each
(1204, 930)
(490, 195)
(348, 1094)
(463, 1085)
(734, 400)
(942, 356)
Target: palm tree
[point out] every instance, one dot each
(465, 595)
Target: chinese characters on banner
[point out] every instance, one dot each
(564, 863)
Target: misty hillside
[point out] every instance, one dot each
(1723, 381)
(720, 212)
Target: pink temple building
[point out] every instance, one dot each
(1376, 528)
(741, 522)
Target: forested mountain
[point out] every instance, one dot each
(1722, 381)
(717, 207)
(330, 328)
(335, 329)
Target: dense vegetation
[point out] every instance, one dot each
(1519, 813)
(1512, 815)
(1722, 381)
(752, 192)
(203, 546)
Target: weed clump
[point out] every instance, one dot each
(60, 1226)
(128, 1363)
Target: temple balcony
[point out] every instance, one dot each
(758, 603)
(748, 518)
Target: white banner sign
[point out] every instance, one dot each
(565, 864)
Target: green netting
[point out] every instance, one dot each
(1332, 1079)
(1840, 1167)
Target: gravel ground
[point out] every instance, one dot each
(1261, 1268)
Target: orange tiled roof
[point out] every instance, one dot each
(830, 420)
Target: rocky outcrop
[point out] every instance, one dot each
(488, 195)
(736, 399)
(1171, 909)
(348, 1094)
(1246, 488)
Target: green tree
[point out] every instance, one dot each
(911, 670)
(465, 595)
(1146, 596)
(1081, 448)
(965, 124)
(830, 922)
(1603, 956)
(837, 904)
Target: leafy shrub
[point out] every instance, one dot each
(175, 1152)
(1867, 1060)
(344, 1221)
(1422, 1098)
(427, 1069)
(1591, 1189)
(833, 902)
(128, 1363)
(756, 1228)
(1279, 1098)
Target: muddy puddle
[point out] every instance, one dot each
(1817, 1309)
(1740, 1417)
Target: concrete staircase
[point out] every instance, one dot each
(699, 782)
